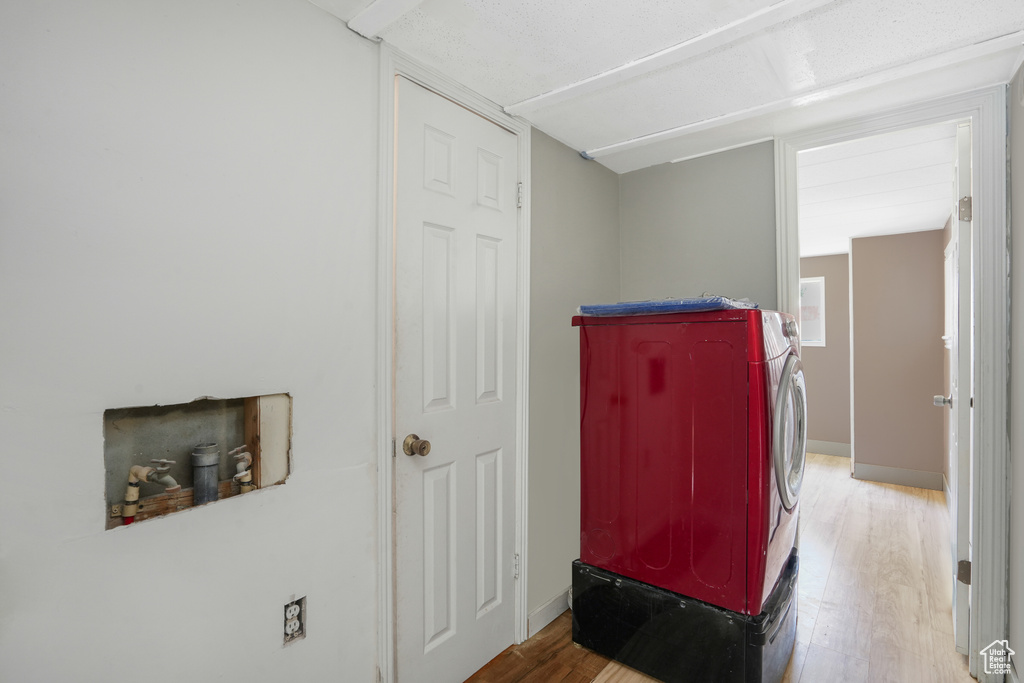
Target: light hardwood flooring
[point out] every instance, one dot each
(874, 594)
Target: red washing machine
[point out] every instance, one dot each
(692, 450)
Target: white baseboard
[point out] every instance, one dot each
(1014, 678)
(546, 613)
(828, 448)
(898, 475)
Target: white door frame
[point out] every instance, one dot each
(990, 277)
(394, 63)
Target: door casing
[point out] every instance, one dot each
(990, 446)
(394, 63)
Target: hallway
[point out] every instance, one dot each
(874, 594)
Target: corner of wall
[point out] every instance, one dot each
(620, 222)
(1015, 124)
(575, 259)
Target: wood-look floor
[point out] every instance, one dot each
(874, 594)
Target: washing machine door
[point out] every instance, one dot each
(789, 449)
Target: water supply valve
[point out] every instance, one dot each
(243, 466)
(158, 474)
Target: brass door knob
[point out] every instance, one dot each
(414, 445)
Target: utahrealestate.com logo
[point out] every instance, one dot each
(997, 657)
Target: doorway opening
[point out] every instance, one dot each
(875, 214)
(989, 499)
(882, 247)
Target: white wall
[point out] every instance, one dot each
(704, 225)
(574, 260)
(1016, 152)
(187, 208)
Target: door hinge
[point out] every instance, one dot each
(963, 572)
(965, 208)
(519, 196)
(515, 566)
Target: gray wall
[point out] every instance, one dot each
(677, 230)
(898, 322)
(1016, 607)
(704, 225)
(188, 207)
(827, 368)
(574, 259)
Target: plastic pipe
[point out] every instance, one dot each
(159, 475)
(136, 475)
(140, 473)
(243, 463)
(205, 471)
(167, 481)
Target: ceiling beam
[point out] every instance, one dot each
(762, 19)
(380, 14)
(947, 59)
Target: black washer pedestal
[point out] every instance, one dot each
(681, 640)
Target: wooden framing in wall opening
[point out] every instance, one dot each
(139, 436)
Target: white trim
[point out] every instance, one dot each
(385, 363)
(990, 442)
(738, 145)
(392, 64)
(548, 612)
(871, 80)
(787, 237)
(378, 15)
(841, 450)
(744, 26)
(523, 384)
(990, 438)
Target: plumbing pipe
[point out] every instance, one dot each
(205, 471)
(136, 475)
(167, 481)
(140, 473)
(160, 475)
(243, 461)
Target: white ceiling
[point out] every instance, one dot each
(634, 84)
(893, 183)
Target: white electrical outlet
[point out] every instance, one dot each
(294, 620)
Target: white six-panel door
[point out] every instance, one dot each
(455, 353)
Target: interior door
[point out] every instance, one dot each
(455, 366)
(960, 397)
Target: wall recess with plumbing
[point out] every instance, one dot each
(163, 459)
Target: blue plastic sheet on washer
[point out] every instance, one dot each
(702, 303)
